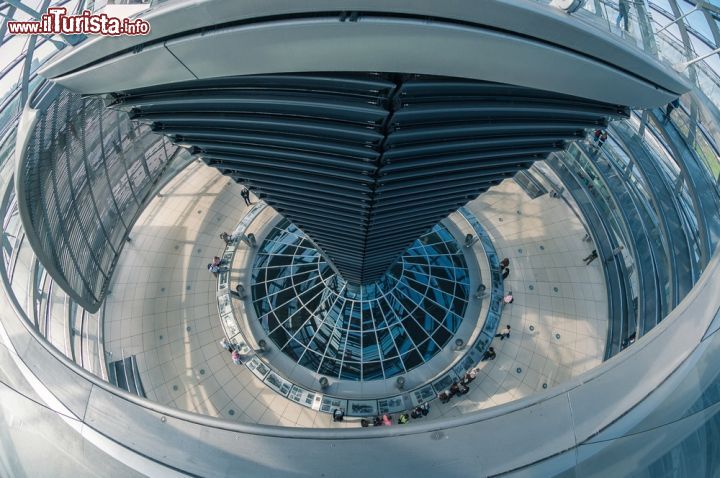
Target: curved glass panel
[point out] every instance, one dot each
(90, 170)
(359, 333)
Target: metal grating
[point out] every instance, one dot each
(87, 172)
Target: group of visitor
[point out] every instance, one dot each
(386, 420)
(600, 136)
(234, 353)
(505, 268)
(216, 265)
(226, 238)
(458, 387)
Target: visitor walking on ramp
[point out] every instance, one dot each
(593, 255)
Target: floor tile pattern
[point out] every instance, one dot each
(162, 305)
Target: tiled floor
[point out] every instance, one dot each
(564, 301)
(162, 307)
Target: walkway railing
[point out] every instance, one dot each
(597, 407)
(621, 317)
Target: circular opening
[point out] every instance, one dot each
(359, 332)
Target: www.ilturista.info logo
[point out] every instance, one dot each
(57, 21)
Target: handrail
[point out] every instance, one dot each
(102, 359)
(676, 248)
(696, 295)
(617, 279)
(692, 324)
(706, 205)
(671, 328)
(636, 231)
(427, 391)
(144, 403)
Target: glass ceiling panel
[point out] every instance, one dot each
(372, 332)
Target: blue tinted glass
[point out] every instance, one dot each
(369, 332)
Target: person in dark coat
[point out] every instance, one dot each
(489, 354)
(593, 255)
(245, 193)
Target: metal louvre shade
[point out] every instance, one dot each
(364, 163)
(85, 175)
